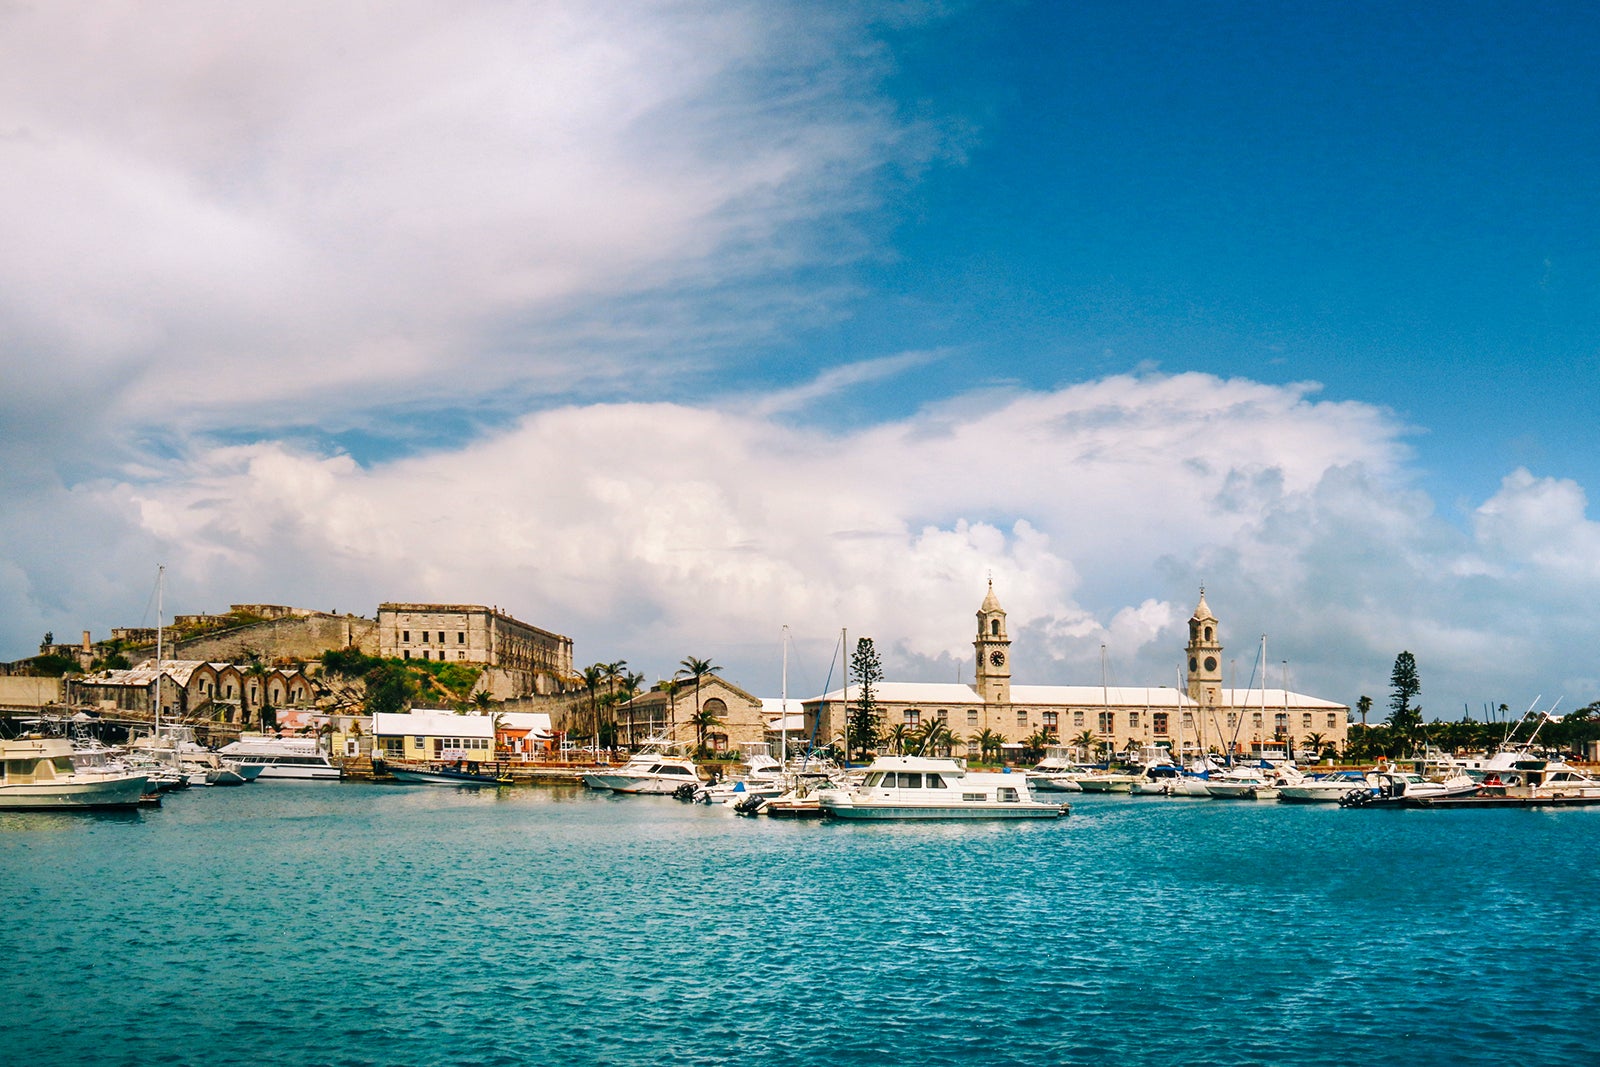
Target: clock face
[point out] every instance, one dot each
(997, 658)
(1211, 663)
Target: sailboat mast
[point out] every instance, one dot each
(161, 571)
(783, 723)
(844, 664)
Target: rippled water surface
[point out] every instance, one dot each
(357, 924)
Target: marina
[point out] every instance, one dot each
(618, 927)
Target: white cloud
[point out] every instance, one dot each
(259, 217)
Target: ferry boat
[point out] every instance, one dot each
(38, 773)
(923, 787)
(282, 757)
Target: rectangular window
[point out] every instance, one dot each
(1050, 720)
(1133, 720)
(1305, 720)
(441, 637)
(405, 653)
(972, 716)
(1077, 718)
(405, 635)
(1233, 720)
(1256, 720)
(424, 653)
(1108, 721)
(1333, 720)
(461, 637)
(912, 716)
(461, 655)
(1280, 722)
(1159, 720)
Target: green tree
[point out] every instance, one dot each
(390, 689)
(1088, 742)
(865, 720)
(481, 700)
(696, 670)
(1364, 708)
(898, 737)
(593, 675)
(935, 738)
(704, 721)
(1405, 719)
(989, 744)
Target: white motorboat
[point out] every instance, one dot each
(765, 778)
(282, 757)
(1242, 783)
(1106, 781)
(662, 775)
(38, 774)
(1054, 774)
(923, 787)
(1323, 788)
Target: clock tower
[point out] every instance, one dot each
(1204, 656)
(994, 651)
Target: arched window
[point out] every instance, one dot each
(994, 627)
(1208, 633)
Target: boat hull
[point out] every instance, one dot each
(105, 791)
(901, 811)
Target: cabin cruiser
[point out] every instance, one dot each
(925, 787)
(282, 757)
(660, 775)
(1244, 783)
(39, 773)
(764, 778)
(1055, 774)
(1323, 788)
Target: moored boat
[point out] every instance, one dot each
(461, 772)
(281, 757)
(38, 774)
(923, 787)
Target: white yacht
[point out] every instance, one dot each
(1242, 783)
(38, 773)
(282, 757)
(923, 787)
(1054, 774)
(1324, 788)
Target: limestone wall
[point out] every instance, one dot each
(24, 692)
(303, 638)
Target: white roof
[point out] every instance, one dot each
(430, 722)
(1275, 699)
(789, 724)
(953, 694)
(535, 722)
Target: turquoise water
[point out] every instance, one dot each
(359, 924)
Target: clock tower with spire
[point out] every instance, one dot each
(994, 651)
(1205, 656)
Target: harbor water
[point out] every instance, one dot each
(364, 924)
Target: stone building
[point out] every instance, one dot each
(741, 718)
(537, 660)
(1204, 716)
(195, 689)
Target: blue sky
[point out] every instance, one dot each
(667, 325)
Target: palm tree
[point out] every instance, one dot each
(989, 744)
(704, 722)
(592, 677)
(934, 736)
(1087, 741)
(897, 737)
(697, 669)
(481, 700)
(1317, 742)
